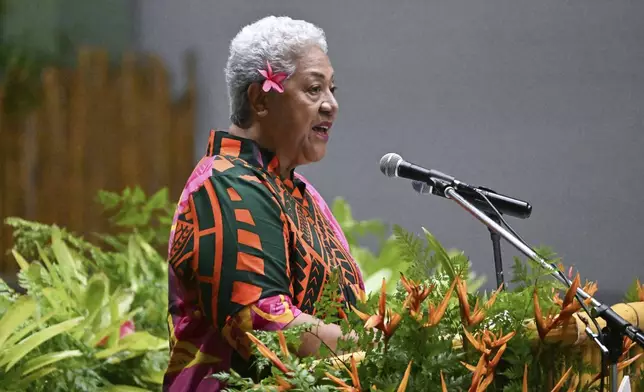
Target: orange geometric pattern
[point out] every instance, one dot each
(245, 293)
(250, 263)
(249, 249)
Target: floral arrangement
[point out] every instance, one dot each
(433, 334)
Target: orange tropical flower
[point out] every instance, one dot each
(620, 366)
(562, 380)
(568, 307)
(355, 380)
(490, 338)
(525, 378)
(640, 290)
(416, 294)
(436, 314)
(268, 353)
(443, 385)
(403, 383)
(384, 320)
(483, 372)
(472, 317)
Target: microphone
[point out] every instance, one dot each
(425, 181)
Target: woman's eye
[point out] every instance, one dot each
(315, 89)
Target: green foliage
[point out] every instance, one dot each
(64, 331)
(438, 348)
(133, 212)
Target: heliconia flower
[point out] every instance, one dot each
(562, 380)
(443, 385)
(355, 380)
(384, 320)
(478, 314)
(627, 345)
(479, 345)
(640, 290)
(525, 378)
(490, 338)
(403, 383)
(273, 80)
(483, 372)
(283, 345)
(268, 353)
(416, 294)
(436, 314)
(283, 385)
(620, 366)
(568, 305)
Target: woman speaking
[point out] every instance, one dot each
(252, 243)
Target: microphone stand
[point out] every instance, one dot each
(496, 249)
(616, 326)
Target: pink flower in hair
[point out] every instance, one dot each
(273, 80)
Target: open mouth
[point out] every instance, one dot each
(323, 127)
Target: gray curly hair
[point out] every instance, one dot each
(278, 40)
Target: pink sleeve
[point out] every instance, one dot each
(268, 314)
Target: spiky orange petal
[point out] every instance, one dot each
(354, 373)
(525, 378)
(570, 294)
(478, 345)
(283, 345)
(479, 371)
(485, 382)
(542, 327)
(336, 380)
(403, 383)
(375, 321)
(363, 316)
(497, 358)
(382, 303)
(265, 351)
(562, 380)
(443, 385)
(436, 315)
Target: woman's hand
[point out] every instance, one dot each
(320, 333)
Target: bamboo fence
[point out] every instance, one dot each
(98, 126)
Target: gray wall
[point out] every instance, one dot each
(542, 100)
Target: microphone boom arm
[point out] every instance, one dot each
(614, 322)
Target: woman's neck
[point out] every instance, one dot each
(253, 133)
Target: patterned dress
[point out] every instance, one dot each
(248, 251)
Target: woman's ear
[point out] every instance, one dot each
(257, 99)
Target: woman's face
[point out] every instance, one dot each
(301, 117)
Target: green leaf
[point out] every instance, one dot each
(441, 254)
(20, 312)
(109, 200)
(17, 352)
(66, 263)
(158, 201)
(96, 293)
(47, 359)
(22, 263)
(138, 196)
(38, 375)
(137, 341)
(32, 326)
(341, 211)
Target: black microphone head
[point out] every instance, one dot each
(421, 187)
(389, 164)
